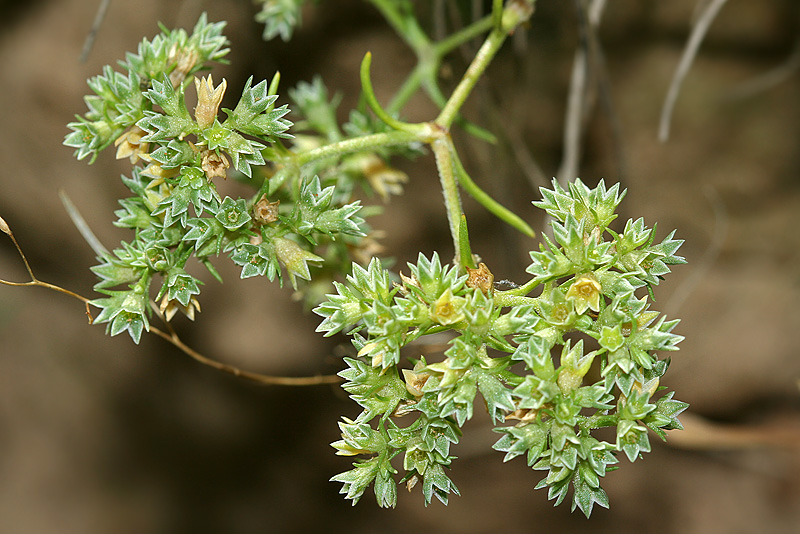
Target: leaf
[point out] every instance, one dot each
(497, 396)
(255, 113)
(280, 17)
(530, 439)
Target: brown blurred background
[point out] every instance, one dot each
(98, 435)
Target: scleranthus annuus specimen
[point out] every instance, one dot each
(525, 354)
(574, 349)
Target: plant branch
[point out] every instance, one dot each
(267, 380)
(692, 46)
(514, 14)
(172, 336)
(494, 207)
(464, 35)
(372, 101)
(442, 148)
(356, 144)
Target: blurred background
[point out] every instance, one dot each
(98, 435)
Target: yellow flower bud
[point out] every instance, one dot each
(208, 100)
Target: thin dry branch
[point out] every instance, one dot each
(704, 21)
(267, 380)
(769, 79)
(576, 99)
(171, 336)
(700, 272)
(98, 21)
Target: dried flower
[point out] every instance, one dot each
(367, 248)
(129, 145)
(214, 164)
(184, 59)
(415, 380)
(169, 308)
(208, 100)
(383, 179)
(376, 358)
(481, 278)
(264, 211)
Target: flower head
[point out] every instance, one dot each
(585, 293)
(208, 100)
(448, 309)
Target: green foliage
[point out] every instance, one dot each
(280, 17)
(119, 102)
(294, 222)
(574, 349)
(557, 408)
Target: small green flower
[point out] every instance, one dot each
(448, 309)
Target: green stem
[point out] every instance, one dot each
(504, 300)
(464, 35)
(406, 27)
(497, 13)
(520, 291)
(356, 144)
(372, 101)
(444, 163)
(432, 88)
(512, 16)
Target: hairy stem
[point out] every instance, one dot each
(442, 147)
(515, 13)
(356, 144)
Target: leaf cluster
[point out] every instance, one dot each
(580, 355)
(296, 219)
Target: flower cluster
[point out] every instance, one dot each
(574, 349)
(580, 355)
(300, 216)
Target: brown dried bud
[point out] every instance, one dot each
(481, 278)
(184, 59)
(214, 165)
(265, 212)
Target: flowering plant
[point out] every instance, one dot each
(573, 349)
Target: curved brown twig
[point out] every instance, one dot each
(171, 336)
